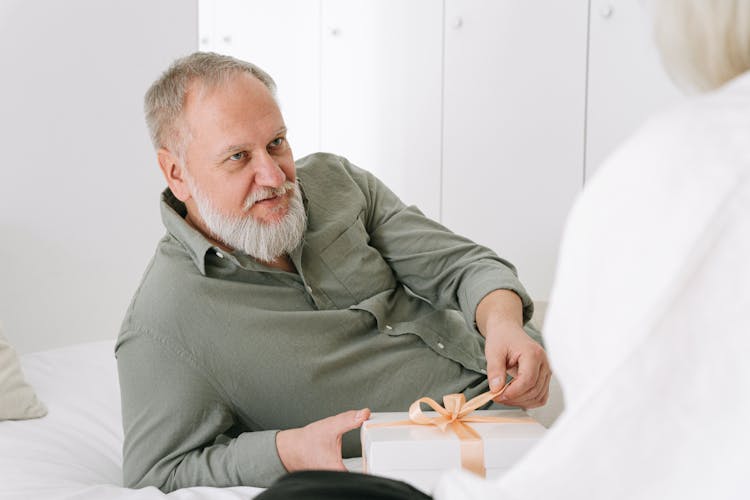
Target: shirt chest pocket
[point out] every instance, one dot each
(358, 267)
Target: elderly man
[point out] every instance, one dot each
(283, 294)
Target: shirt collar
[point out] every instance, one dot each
(173, 213)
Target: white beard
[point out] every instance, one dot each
(260, 240)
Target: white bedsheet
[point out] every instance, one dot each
(75, 452)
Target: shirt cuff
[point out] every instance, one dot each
(258, 461)
(470, 297)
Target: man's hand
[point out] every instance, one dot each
(318, 445)
(509, 350)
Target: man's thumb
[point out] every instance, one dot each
(496, 372)
(348, 420)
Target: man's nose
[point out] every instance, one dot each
(268, 172)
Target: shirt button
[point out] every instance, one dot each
(309, 289)
(440, 345)
(388, 327)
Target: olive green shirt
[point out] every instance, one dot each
(217, 351)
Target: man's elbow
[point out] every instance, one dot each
(157, 476)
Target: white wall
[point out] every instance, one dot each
(79, 184)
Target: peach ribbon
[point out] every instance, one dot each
(455, 415)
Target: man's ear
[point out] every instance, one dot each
(172, 170)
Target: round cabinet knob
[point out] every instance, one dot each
(227, 39)
(334, 31)
(204, 41)
(457, 23)
(606, 11)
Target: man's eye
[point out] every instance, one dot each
(277, 142)
(238, 156)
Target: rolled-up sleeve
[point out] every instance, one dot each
(448, 270)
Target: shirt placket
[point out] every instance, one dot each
(314, 292)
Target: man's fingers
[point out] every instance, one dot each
(525, 381)
(537, 396)
(532, 368)
(540, 398)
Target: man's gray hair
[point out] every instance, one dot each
(165, 99)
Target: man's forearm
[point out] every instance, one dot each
(250, 459)
(497, 307)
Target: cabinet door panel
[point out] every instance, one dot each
(626, 80)
(381, 92)
(282, 37)
(514, 126)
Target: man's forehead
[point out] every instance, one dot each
(238, 115)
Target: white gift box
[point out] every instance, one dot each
(419, 454)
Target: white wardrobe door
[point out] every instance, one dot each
(381, 92)
(514, 126)
(626, 80)
(283, 38)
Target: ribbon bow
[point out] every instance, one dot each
(455, 409)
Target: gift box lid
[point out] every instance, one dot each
(426, 447)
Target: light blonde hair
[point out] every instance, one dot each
(703, 43)
(165, 99)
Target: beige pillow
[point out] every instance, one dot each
(17, 398)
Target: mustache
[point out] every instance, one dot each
(265, 193)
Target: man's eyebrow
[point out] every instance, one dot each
(280, 132)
